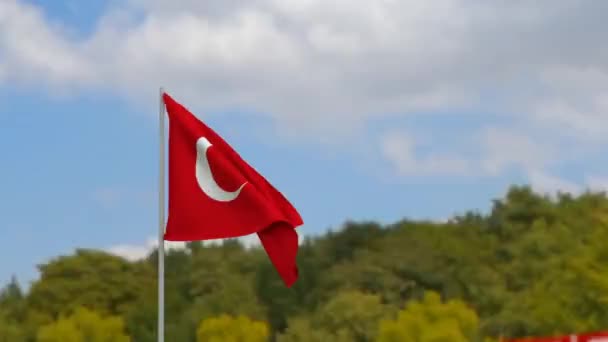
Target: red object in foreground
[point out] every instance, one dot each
(589, 337)
(215, 194)
(543, 339)
(593, 337)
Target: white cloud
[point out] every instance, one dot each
(596, 183)
(139, 251)
(503, 149)
(400, 150)
(33, 50)
(249, 241)
(136, 252)
(545, 183)
(326, 68)
(312, 59)
(586, 122)
(499, 150)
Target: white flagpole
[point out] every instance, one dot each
(161, 221)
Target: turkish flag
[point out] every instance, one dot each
(215, 194)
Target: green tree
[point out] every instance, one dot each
(301, 330)
(350, 316)
(141, 318)
(103, 282)
(535, 265)
(226, 328)
(550, 257)
(431, 320)
(12, 300)
(84, 326)
(10, 331)
(12, 306)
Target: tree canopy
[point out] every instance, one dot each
(533, 265)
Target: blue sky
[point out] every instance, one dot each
(81, 172)
(348, 117)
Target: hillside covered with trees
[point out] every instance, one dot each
(533, 265)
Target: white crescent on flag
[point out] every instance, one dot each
(204, 176)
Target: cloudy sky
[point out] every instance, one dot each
(375, 109)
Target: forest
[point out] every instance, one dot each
(533, 265)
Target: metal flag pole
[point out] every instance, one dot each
(161, 221)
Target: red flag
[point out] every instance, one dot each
(215, 194)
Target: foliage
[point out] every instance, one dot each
(92, 279)
(84, 326)
(350, 316)
(12, 305)
(230, 329)
(432, 320)
(10, 331)
(301, 330)
(533, 265)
